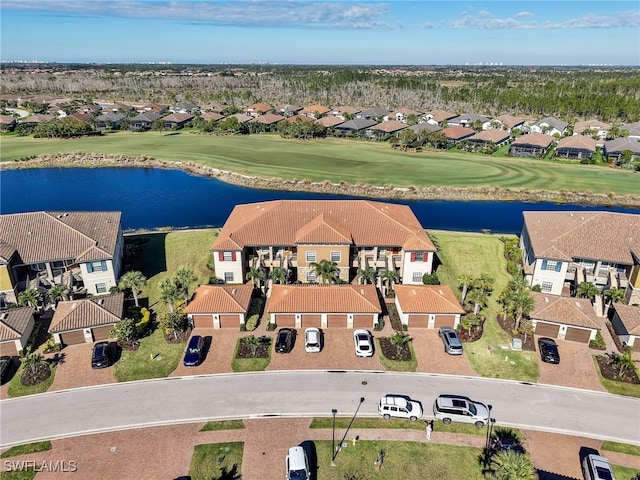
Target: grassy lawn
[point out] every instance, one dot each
(398, 365)
(249, 364)
(343, 422)
(204, 462)
(402, 460)
(476, 254)
(27, 448)
(222, 425)
(338, 160)
(624, 473)
(619, 388)
(26, 474)
(621, 448)
(16, 389)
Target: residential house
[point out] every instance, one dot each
(7, 122)
(373, 113)
(90, 108)
(491, 136)
(591, 127)
(16, 325)
(257, 109)
(219, 306)
(81, 250)
(186, 107)
(212, 116)
(355, 125)
(289, 110)
(432, 127)
(632, 128)
(613, 149)
(403, 114)
(302, 118)
(439, 117)
(154, 108)
(345, 111)
(469, 120)
(427, 306)
(324, 306)
(109, 120)
(576, 147)
(86, 320)
(120, 107)
(560, 250)
(294, 234)
(215, 107)
(508, 122)
(82, 117)
(36, 119)
(241, 117)
(385, 129)
(268, 119)
(531, 145)
(328, 121)
(143, 121)
(550, 126)
(626, 324)
(314, 111)
(457, 134)
(565, 318)
(176, 121)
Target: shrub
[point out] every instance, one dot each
(271, 326)
(598, 343)
(380, 325)
(430, 279)
(143, 324)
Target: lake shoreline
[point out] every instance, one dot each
(326, 187)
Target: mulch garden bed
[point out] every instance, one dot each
(610, 371)
(261, 351)
(390, 351)
(38, 375)
(508, 326)
(178, 337)
(476, 333)
(129, 346)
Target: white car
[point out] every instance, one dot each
(363, 342)
(596, 467)
(399, 406)
(296, 464)
(312, 340)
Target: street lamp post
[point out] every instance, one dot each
(337, 449)
(333, 436)
(488, 443)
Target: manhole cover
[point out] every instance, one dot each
(364, 382)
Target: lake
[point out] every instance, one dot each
(156, 198)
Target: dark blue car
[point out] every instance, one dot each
(193, 355)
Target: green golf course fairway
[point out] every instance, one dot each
(335, 160)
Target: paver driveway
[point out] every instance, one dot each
(74, 368)
(432, 358)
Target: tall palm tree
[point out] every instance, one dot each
(327, 270)
(134, 281)
(28, 297)
(170, 293)
(625, 361)
(184, 277)
(256, 275)
(512, 465)
(478, 297)
(469, 321)
(389, 277)
(278, 275)
(367, 275)
(587, 290)
(522, 304)
(464, 281)
(57, 293)
(400, 340)
(484, 282)
(616, 295)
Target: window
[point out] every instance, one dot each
(38, 267)
(336, 257)
(417, 277)
(551, 265)
(58, 264)
(311, 256)
(101, 288)
(227, 256)
(97, 266)
(228, 277)
(606, 265)
(311, 277)
(546, 286)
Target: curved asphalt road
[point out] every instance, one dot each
(307, 393)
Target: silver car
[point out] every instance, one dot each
(451, 340)
(456, 408)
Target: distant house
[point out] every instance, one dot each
(457, 134)
(214, 107)
(86, 320)
(268, 119)
(355, 125)
(257, 109)
(550, 126)
(508, 122)
(492, 136)
(632, 128)
(89, 108)
(16, 325)
(7, 123)
(403, 114)
(175, 121)
(329, 121)
(314, 111)
(437, 117)
(531, 145)
(613, 148)
(241, 117)
(626, 323)
(427, 306)
(469, 119)
(143, 121)
(186, 107)
(373, 112)
(212, 116)
(109, 120)
(576, 147)
(122, 107)
(344, 111)
(432, 127)
(566, 318)
(590, 127)
(36, 119)
(387, 128)
(289, 110)
(302, 118)
(82, 117)
(219, 306)
(154, 108)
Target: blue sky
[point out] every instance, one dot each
(446, 32)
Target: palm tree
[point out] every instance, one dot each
(134, 281)
(184, 277)
(256, 275)
(478, 297)
(484, 282)
(367, 275)
(57, 293)
(616, 295)
(389, 277)
(31, 361)
(587, 290)
(526, 329)
(279, 275)
(253, 343)
(28, 297)
(469, 321)
(464, 281)
(327, 270)
(400, 341)
(512, 465)
(170, 293)
(625, 361)
(522, 303)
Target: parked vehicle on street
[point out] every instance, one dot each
(193, 355)
(548, 350)
(284, 340)
(399, 406)
(456, 408)
(451, 340)
(596, 467)
(101, 355)
(297, 464)
(312, 340)
(363, 343)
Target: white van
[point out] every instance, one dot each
(399, 406)
(296, 464)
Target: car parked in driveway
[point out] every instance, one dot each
(285, 339)
(548, 350)
(457, 408)
(193, 354)
(297, 464)
(451, 340)
(363, 343)
(5, 365)
(101, 355)
(312, 340)
(596, 467)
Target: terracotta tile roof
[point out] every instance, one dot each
(441, 115)
(37, 118)
(221, 299)
(329, 121)
(49, 236)
(509, 121)
(258, 107)
(268, 119)
(589, 124)
(564, 310)
(390, 126)
(493, 135)
(7, 119)
(303, 118)
(406, 112)
(323, 299)
(577, 141)
(155, 107)
(277, 222)
(87, 313)
(241, 117)
(83, 117)
(592, 235)
(536, 139)
(13, 323)
(630, 317)
(323, 230)
(312, 109)
(457, 133)
(346, 109)
(216, 107)
(427, 299)
(178, 117)
(211, 116)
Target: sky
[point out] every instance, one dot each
(445, 32)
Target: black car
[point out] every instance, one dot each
(5, 365)
(548, 350)
(100, 357)
(284, 341)
(193, 355)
